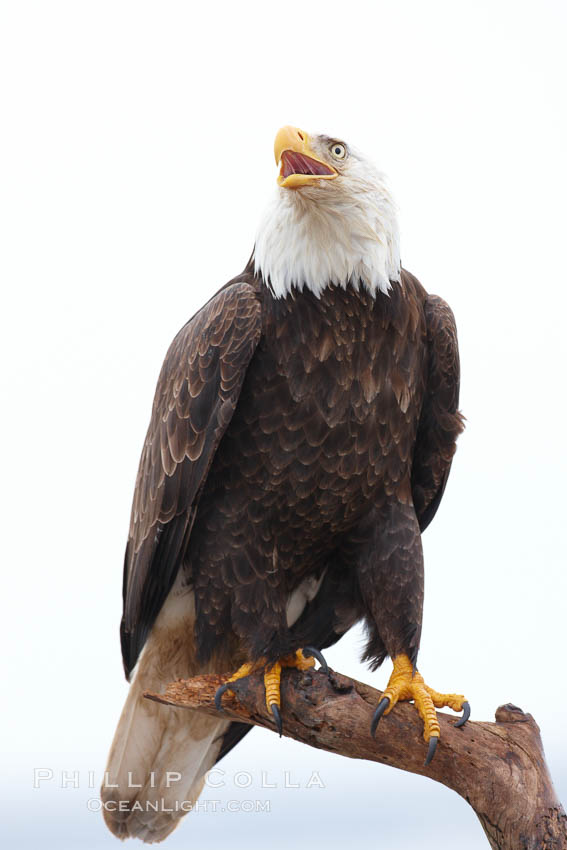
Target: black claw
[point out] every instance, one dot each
(310, 650)
(465, 716)
(277, 718)
(433, 741)
(218, 696)
(382, 706)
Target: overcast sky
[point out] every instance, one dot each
(135, 159)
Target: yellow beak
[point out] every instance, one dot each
(299, 166)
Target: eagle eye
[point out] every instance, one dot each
(338, 150)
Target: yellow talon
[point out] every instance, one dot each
(272, 676)
(404, 684)
(452, 701)
(242, 671)
(298, 660)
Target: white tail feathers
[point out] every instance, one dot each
(160, 755)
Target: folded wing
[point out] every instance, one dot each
(440, 422)
(195, 399)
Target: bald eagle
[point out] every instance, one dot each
(301, 436)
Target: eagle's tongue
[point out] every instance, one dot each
(298, 163)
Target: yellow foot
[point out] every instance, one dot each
(404, 684)
(303, 659)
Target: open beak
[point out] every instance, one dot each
(299, 166)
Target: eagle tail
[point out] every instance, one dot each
(159, 756)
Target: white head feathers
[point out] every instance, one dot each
(337, 231)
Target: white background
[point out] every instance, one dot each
(136, 157)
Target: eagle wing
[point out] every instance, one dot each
(440, 422)
(196, 396)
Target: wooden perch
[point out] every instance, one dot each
(499, 768)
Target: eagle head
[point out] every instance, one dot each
(332, 222)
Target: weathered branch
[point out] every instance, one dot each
(499, 768)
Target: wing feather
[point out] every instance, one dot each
(196, 396)
(440, 422)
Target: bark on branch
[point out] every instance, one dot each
(499, 768)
